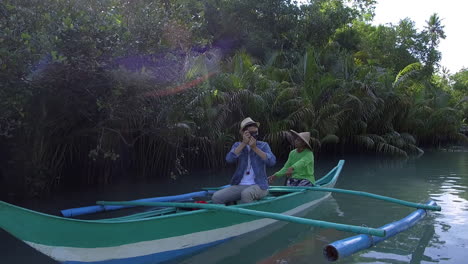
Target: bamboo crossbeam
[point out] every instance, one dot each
(260, 214)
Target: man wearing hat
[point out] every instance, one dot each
(300, 165)
(249, 181)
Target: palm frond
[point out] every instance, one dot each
(329, 118)
(201, 97)
(395, 139)
(303, 115)
(376, 138)
(408, 138)
(316, 144)
(284, 95)
(242, 63)
(408, 73)
(310, 68)
(330, 139)
(386, 148)
(364, 140)
(278, 140)
(353, 102)
(411, 149)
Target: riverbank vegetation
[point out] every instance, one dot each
(93, 90)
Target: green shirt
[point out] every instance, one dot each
(303, 164)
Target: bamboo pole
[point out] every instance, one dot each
(260, 214)
(345, 191)
(359, 193)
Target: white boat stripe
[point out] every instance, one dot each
(161, 245)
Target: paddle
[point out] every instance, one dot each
(260, 214)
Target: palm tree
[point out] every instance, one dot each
(434, 31)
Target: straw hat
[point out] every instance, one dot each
(248, 121)
(304, 136)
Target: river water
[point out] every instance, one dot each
(441, 237)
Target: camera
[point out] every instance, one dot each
(254, 135)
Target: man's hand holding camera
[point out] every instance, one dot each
(253, 142)
(246, 137)
(250, 139)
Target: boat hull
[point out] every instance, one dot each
(151, 240)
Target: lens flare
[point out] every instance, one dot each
(182, 87)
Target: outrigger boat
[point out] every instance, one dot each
(172, 228)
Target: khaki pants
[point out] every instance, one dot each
(244, 193)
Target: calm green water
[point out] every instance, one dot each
(442, 237)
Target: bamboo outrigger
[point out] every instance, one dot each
(348, 246)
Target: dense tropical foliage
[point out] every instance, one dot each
(92, 90)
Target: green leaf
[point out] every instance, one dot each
(54, 54)
(25, 36)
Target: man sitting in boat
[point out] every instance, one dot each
(249, 181)
(300, 165)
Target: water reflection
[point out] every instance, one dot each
(408, 247)
(278, 243)
(442, 237)
(418, 254)
(444, 178)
